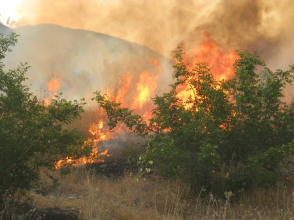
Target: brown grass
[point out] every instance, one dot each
(151, 197)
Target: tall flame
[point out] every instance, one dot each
(219, 61)
(146, 86)
(140, 99)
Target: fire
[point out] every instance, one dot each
(219, 61)
(92, 158)
(53, 86)
(95, 130)
(125, 85)
(145, 86)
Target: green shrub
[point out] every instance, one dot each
(32, 137)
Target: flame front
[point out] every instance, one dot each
(95, 131)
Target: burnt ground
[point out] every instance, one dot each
(123, 151)
(113, 167)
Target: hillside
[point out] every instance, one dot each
(83, 61)
(4, 29)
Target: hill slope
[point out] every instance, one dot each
(4, 29)
(83, 61)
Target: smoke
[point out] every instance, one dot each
(254, 25)
(159, 25)
(264, 26)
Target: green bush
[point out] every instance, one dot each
(32, 135)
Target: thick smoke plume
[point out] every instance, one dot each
(254, 25)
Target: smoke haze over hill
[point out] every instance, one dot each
(264, 26)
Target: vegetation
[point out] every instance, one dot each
(227, 135)
(32, 134)
(153, 197)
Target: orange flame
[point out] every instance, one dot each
(140, 99)
(146, 85)
(219, 61)
(53, 86)
(125, 86)
(95, 156)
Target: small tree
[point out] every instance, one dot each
(32, 137)
(227, 135)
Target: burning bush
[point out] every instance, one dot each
(32, 134)
(221, 135)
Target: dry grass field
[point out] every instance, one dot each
(151, 197)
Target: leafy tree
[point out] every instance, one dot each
(227, 135)
(32, 135)
(262, 124)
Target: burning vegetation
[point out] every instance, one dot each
(220, 125)
(138, 95)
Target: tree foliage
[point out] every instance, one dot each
(228, 135)
(32, 135)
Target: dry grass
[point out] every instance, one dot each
(155, 198)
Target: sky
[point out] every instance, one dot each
(9, 8)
